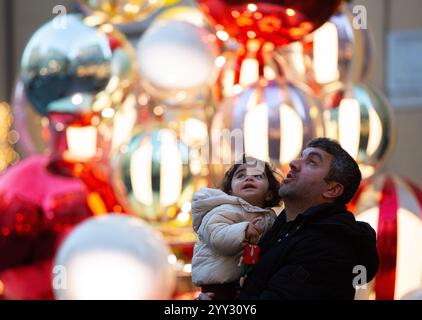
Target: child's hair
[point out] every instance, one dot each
(270, 172)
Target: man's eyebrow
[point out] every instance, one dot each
(313, 153)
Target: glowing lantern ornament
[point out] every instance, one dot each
(120, 11)
(337, 51)
(113, 257)
(152, 175)
(244, 66)
(393, 207)
(361, 119)
(279, 22)
(269, 121)
(177, 62)
(81, 147)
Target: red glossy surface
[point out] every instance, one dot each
(276, 21)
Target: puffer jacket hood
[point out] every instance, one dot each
(207, 199)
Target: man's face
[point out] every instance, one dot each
(305, 180)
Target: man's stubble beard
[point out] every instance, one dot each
(286, 193)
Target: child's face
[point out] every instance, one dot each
(251, 184)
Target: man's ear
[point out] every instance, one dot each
(333, 191)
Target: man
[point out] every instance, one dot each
(316, 249)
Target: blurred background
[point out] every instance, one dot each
(20, 19)
(108, 114)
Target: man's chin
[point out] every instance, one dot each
(283, 191)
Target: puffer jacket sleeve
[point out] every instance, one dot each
(222, 231)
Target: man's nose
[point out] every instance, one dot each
(295, 165)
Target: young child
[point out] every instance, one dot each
(225, 219)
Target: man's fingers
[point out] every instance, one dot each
(256, 221)
(205, 296)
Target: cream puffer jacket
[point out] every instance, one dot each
(220, 220)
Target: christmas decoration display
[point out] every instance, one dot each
(116, 140)
(336, 52)
(113, 257)
(152, 174)
(393, 206)
(120, 11)
(177, 62)
(74, 67)
(279, 22)
(361, 119)
(269, 121)
(38, 208)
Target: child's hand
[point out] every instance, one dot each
(254, 230)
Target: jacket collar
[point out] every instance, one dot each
(320, 212)
(251, 208)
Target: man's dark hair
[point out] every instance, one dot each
(343, 169)
(270, 172)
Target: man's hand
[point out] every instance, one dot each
(205, 296)
(254, 230)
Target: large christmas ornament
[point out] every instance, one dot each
(120, 11)
(113, 257)
(184, 13)
(81, 124)
(393, 207)
(413, 295)
(37, 207)
(56, 64)
(270, 121)
(361, 119)
(177, 62)
(152, 175)
(279, 22)
(58, 68)
(337, 51)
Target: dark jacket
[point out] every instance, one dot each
(313, 257)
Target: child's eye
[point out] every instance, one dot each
(240, 175)
(259, 176)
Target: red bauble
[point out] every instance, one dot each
(37, 208)
(276, 21)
